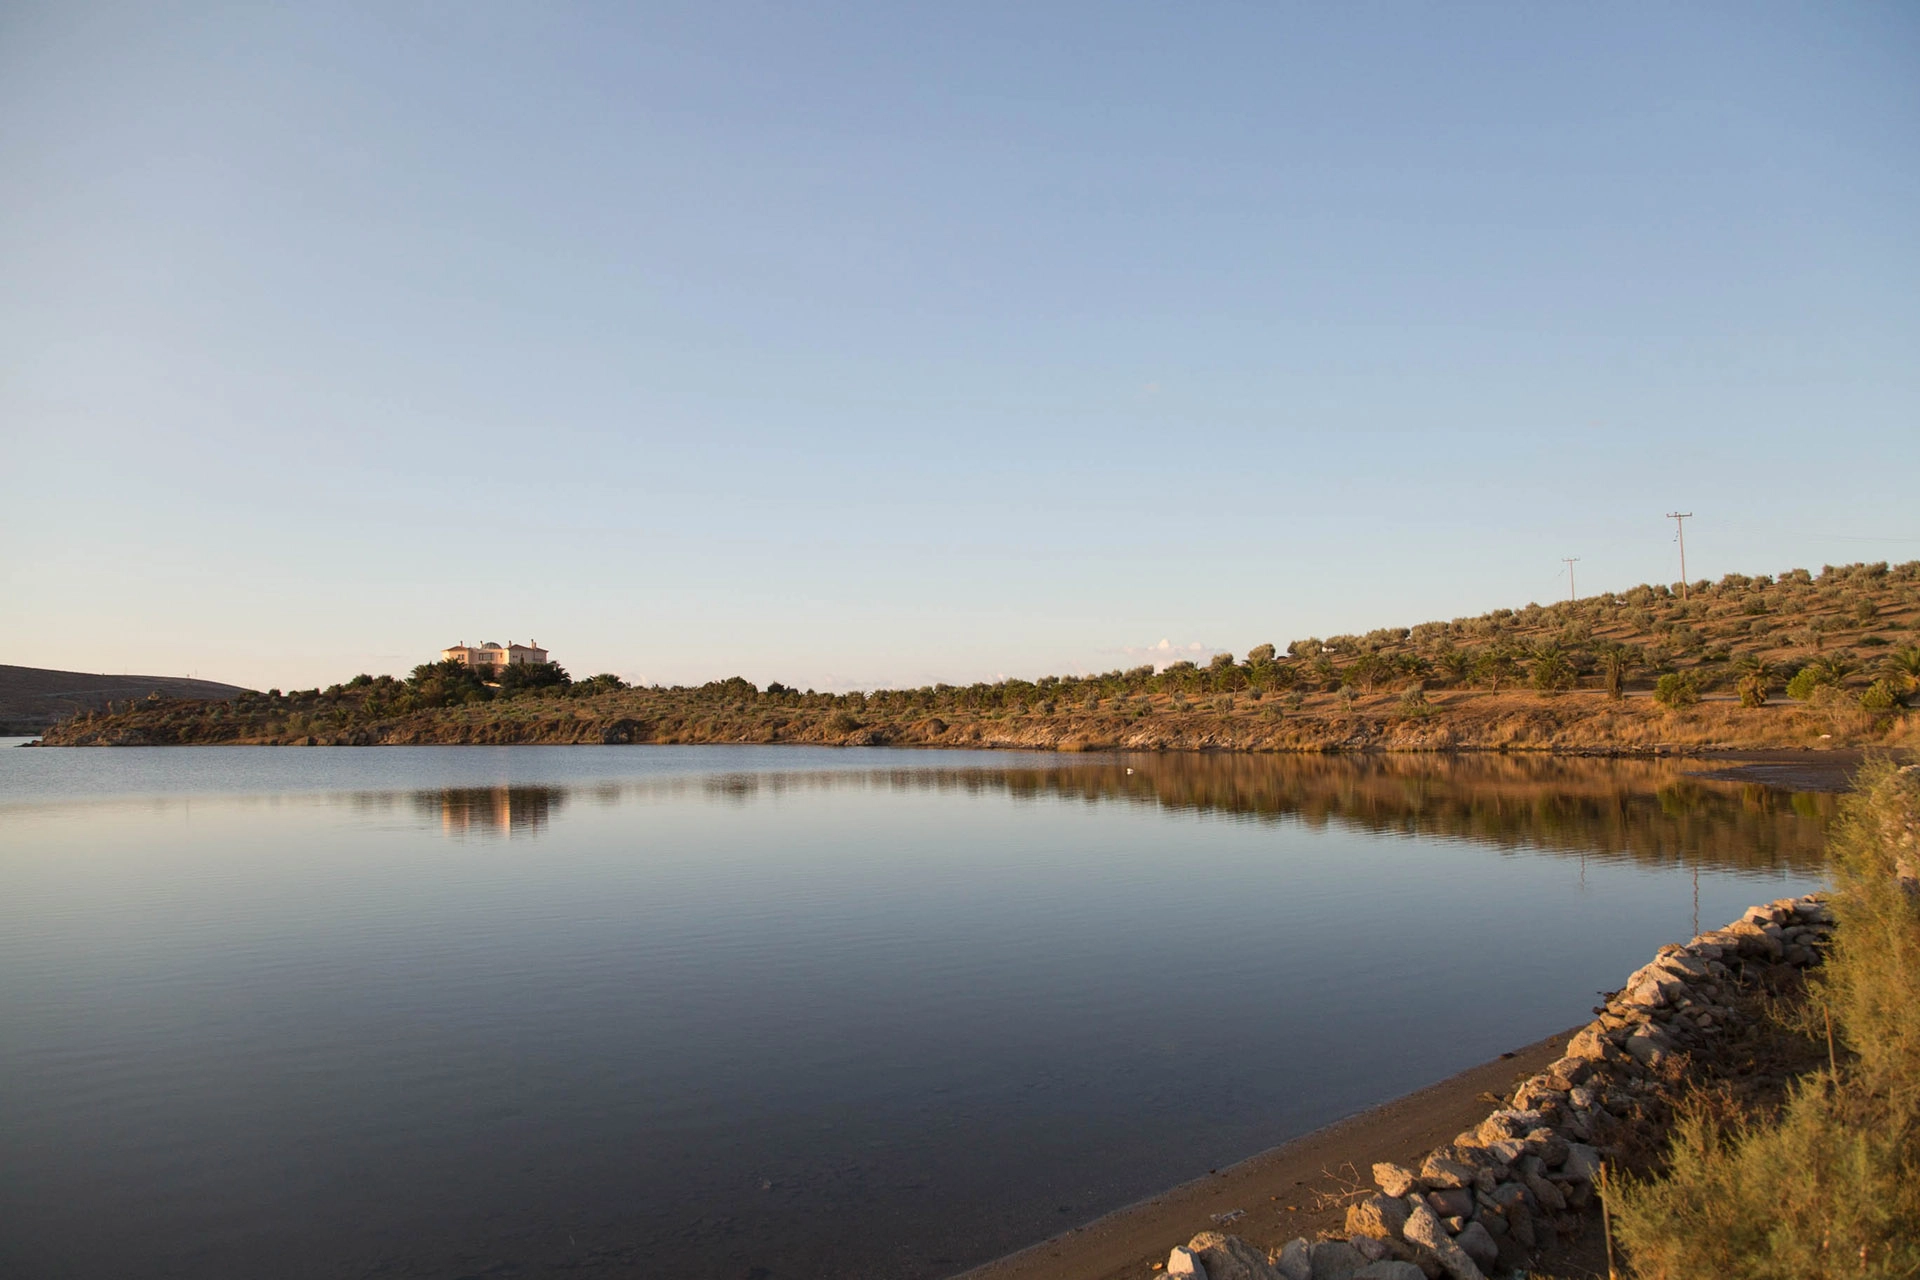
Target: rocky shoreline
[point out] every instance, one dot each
(1527, 1178)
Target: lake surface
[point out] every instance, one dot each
(770, 1012)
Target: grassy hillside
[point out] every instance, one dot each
(1799, 660)
(31, 698)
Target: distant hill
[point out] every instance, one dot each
(1655, 668)
(32, 698)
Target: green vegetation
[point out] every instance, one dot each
(1576, 674)
(1829, 1186)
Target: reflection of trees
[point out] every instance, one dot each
(492, 810)
(1649, 811)
(1644, 810)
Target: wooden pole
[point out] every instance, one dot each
(1606, 1220)
(1680, 519)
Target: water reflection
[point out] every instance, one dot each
(507, 811)
(779, 1012)
(1646, 811)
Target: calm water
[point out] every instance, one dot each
(748, 1012)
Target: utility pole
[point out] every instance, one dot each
(1680, 519)
(1571, 561)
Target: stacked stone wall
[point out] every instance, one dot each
(1492, 1200)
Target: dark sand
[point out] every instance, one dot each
(1293, 1190)
(1788, 770)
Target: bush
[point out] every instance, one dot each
(1880, 697)
(1804, 682)
(1676, 689)
(1551, 672)
(1831, 1186)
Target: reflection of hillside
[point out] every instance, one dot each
(492, 810)
(1644, 810)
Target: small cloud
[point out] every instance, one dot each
(1152, 388)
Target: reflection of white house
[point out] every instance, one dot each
(493, 657)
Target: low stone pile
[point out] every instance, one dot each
(1491, 1200)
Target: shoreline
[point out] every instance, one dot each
(1514, 1189)
(1826, 769)
(1276, 1188)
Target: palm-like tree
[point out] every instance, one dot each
(1901, 668)
(1551, 671)
(1756, 680)
(1616, 661)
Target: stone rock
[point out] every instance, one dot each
(1648, 1044)
(1508, 1124)
(1230, 1258)
(1478, 1245)
(1545, 1192)
(1380, 1217)
(1371, 1249)
(1539, 1089)
(1509, 1194)
(1335, 1260)
(1395, 1180)
(1425, 1230)
(1438, 1171)
(1389, 1270)
(1296, 1260)
(1683, 967)
(1590, 1045)
(1548, 1145)
(1454, 1202)
(1455, 1225)
(1520, 1226)
(1181, 1262)
(1582, 1164)
(1572, 1070)
(1508, 1150)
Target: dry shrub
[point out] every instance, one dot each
(1830, 1186)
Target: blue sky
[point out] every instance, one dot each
(888, 344)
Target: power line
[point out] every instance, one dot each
(1571, 561)
(1680, 519)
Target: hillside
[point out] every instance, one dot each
(31, 698)
(1797, 660)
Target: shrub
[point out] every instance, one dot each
(1804, 682)
(1551, 672)
(1831, 1186)
(1902, 670)
(1676, 689)
(1880, 697)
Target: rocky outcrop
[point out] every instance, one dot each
(1492, 1199)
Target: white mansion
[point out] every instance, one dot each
(492, 656)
